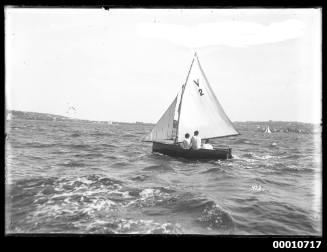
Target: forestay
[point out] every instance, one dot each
(200, 109)
(163, 130)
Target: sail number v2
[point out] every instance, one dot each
(198, 84)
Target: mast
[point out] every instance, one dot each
(180, 103)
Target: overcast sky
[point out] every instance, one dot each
(129, 64)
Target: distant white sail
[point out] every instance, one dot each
(163, 130)
(200, 109)
(267, 130)
(71, 112)
(9, 116)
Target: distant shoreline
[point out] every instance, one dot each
(53, 117)
(50, 117)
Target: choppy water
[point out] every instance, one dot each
(64, 177)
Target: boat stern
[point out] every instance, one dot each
(229, 153)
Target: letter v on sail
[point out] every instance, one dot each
(197, 109)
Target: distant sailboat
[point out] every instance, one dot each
(194, 108)
(71, 112)
(9, 117)
(267, 130)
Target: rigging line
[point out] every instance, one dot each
(180, 103)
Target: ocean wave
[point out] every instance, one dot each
(73, 164)
(140, 178)
(296, 169)
(282, 168)
(207, 213)
(149, 197)
(108, 145)
(248, 155)
(284, 217)
(111, 157)
(76, 135)
(147, 227)
(79, 146)
(61, 151)
(120, 164)
(65, 198)
(101, 134)
(292, 156)
(214, 170)
(131, 226)
(129, 135)
(279, 154)
(89, 155)
(251, 156)
(214, 217)
(39, 145)
(186, 202)
(271, 182)
(162, 168)
(244, 141)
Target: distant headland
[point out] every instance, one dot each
(15, 114)
(275, 126)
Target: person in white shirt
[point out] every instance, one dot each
(196, 141)
(186, 144)
(206, 145)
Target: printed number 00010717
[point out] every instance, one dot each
(296, 244)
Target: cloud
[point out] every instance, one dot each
(231, 33)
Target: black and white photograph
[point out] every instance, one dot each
(192, 121)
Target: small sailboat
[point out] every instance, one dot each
(268, 130)
(9, 116)
(71, 112)
(194, 108)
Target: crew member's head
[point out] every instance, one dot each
(196, 133)
(187, 135)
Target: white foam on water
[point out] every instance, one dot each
(148, 197)
(147, 227)
(265, 157)
(128, 226)
(257, 188)
(235, 156)
(147, 193)
(84, 180)
(214, 217)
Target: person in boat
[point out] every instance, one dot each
(206, 145)
(186, 144)
(196, 141)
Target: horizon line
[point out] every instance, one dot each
(235, 121)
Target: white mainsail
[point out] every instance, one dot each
(163, 130)
(200, 109)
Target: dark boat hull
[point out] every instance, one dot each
(176, 151)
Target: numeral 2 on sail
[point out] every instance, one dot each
(197, 83)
